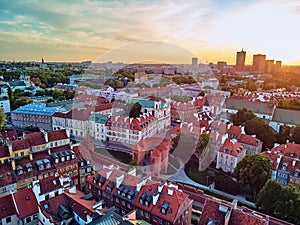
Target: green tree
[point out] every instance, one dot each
(49, 100)
(296, 134)
(268, 197)
(288, 204)
(227, 184)
(203, 143)
(133, 162)
(262, 131)
(242, 116)
(252, 172)
(132, 110)
(284, 134)
(2, 117)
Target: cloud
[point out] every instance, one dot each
(207, 27)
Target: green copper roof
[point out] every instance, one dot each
(146, 103)
(99, 118)
(16, 83)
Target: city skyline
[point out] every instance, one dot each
(210, 30)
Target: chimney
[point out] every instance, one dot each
(155, 198)
(72, 190)
(132, 171)
(160, 186)
(13, 164)
(119, 180)
(9, 145)
(45, 135)
(170, 191)
(108, 173)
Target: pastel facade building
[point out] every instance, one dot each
(35, 115)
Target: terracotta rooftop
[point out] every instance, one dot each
(57, 135)
(51, 208)
(10, 134)
(36, 138)
(20, 144)
(4, 152)
(231, 147)
(26, 203)
(250, 140)
(7, 207)
(49, 184)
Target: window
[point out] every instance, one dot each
(8, 219)
(28, 220)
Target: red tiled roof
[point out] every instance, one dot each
(248, 139)
(155, 154)
(235, 148)
(7, 207)
(82, 207)
(4, 152)
(49, 184)
(7, 173)
(52, 207)
(178, 202)
(20, 144)
(235, 130)
(26, 203)
(60, 148)
(10, 134)
(211, 212)
(36, 138)
(57, 135)
(290, 149)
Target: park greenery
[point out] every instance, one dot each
(132, 109)
(252, 172)
(179, 98)
(2, 118)
(292, 104)
(280, 201)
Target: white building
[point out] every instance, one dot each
(287, 117)
(5, 105)
(230, 153)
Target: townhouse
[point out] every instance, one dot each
(285, 163)
(156, 203)
(130, 130)
(229, 154)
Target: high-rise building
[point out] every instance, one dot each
(240, 60)
(269, 66)
(258, 63)
(278, 66)
(194, 61)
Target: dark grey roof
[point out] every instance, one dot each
(256, 107)
(286, 116)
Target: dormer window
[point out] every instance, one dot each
(165, 207)
(19, 169)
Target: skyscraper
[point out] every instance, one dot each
(258, 63)
(194, 61)
(240, 60)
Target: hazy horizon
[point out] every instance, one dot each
(211, 30)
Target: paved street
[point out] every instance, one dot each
(181, 177)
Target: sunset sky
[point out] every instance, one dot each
(212, 30)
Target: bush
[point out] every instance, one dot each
(226, 184)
